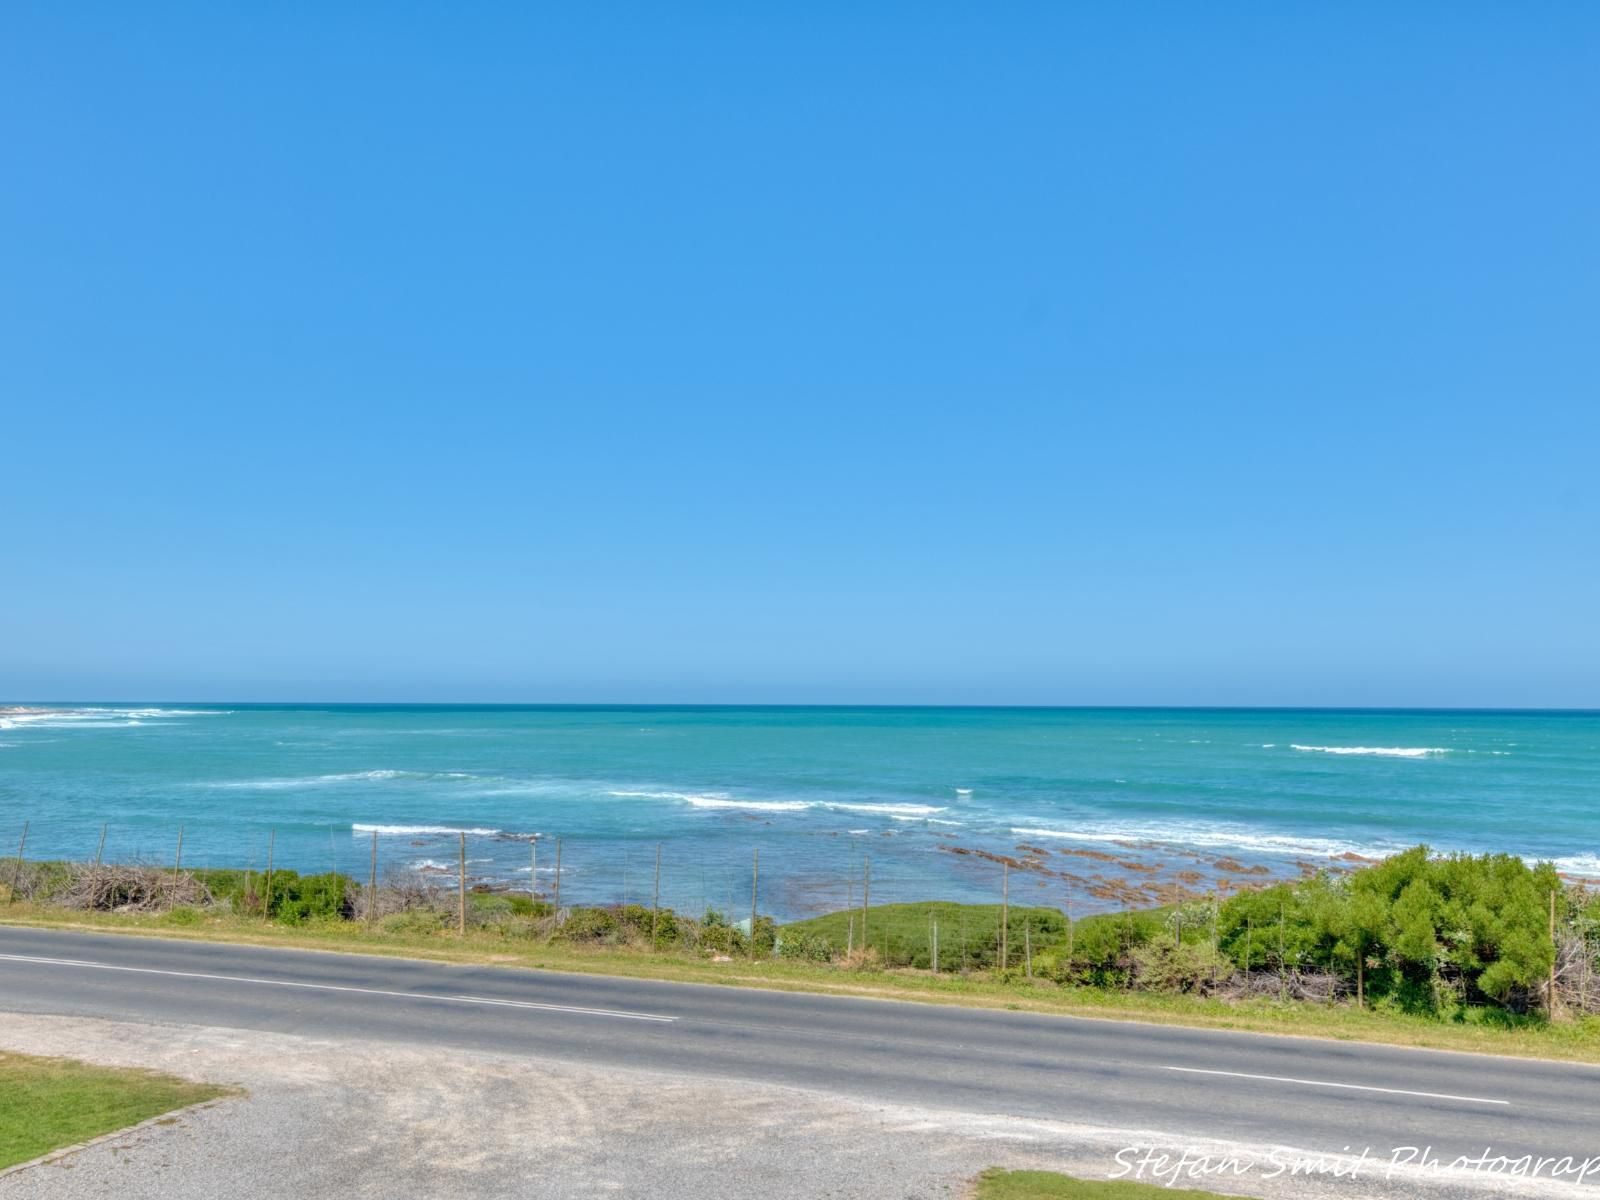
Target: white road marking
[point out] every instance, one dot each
(334, 987)
(1355, 1087)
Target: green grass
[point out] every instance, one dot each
(47, 1103)
(1471, 1031)
(968, 933)
(996, 1184)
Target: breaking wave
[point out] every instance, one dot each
(95, 718)
(722, 800)
(1216, 838)
(1377, 751)
(311, 781)
(415, 830)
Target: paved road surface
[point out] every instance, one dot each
(1184, 1082)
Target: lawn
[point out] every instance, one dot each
(47, 1103)
(996, 1184)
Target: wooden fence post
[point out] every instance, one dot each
(372, 882)
(266, 903)
(655, 901)
(850, 907)
(866, 890)
(16, 870)
(558, 877)
(533, 869)
(1361, 972)
(755, 875)
(1555, 953)
(100, 850)
(177, 863)
(1005, 914)
(461, 893)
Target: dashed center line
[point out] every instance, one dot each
(1324, 1083)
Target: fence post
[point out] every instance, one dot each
(1249, 949)
(16, 871)
(101, 848)
(1555, 953)
(266, 903)
(558, 879)
(1361, 971)
(655, 900)
(372, 882)
(461, 893)
(755, 875)
(1071, 930)
(1027, 945)
(177, 863)
(850, 907)
(866, 891)
(1005, 914)
(935, 955)
(533, 869)
(1283, 983)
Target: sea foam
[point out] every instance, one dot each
(1377, 751)
(1214, 838)
(410, 830)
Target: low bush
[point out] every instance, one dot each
(805, 947)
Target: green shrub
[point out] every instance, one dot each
(1166, 965)
(805, 947)
(587, 925)
(716, 935)
(1434, 931)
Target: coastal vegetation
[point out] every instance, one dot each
(1481, 952)
(48, 1103)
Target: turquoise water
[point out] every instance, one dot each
(812, 789)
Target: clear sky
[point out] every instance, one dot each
(1158, 353)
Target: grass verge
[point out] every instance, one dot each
(48, 1103)
(1576, 1040)
(995, 1184)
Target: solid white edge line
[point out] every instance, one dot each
(335, 987)
(1356, 1087)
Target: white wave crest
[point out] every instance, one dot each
(752, 805)
(907, 810)
(409, 830)
(723, 800)
(1216, 838)
(96, 717)
(1378, 751)
(1587, 865)
(312, 781)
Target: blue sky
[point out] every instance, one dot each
(1030, 353)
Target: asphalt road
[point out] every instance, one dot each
(1306, 1093)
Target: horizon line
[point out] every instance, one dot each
(720, 704)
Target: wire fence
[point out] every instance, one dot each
(385, 870)
(663, 894)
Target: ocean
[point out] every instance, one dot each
(1090, 808)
